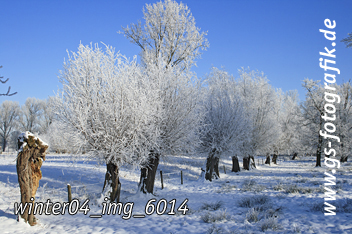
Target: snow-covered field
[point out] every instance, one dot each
(283, 198)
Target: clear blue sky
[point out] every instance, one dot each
(280, 38)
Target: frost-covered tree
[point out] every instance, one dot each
(169, 32)
(47, 116)
(9, 113)
(30, 115)
(315, 117)
(261, 104)
(289, 118)
(64, 143)
(312, 111)
(107, 101)
(8, 90)
(170, 42)
(178, 116)
(226, 124)
(343, 120)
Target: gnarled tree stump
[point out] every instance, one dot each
(267, 160)
(246, 163)
(235, 164)
(274, 159)
(29, 160)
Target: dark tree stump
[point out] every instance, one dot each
(246, 163)
(343, 159)
(212, 166)
(274, 160)
(29, 160)
(148, 172)
(267, 160)
(235, 164)
(112, 182)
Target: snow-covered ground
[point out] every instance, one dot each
(283, 198)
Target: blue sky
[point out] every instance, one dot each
(280, 38)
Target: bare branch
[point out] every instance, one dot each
(8, 91)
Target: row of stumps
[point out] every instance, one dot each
(162, 181)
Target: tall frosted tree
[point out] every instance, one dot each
(47, 116)
(226, 126)
(289, 119)
(9, 114)
(170, 43)
(343, 120)
(178, 117)
(262, 105)
(169, 32)
(315, 113)
(107, 101)
(313, 110)
(30, 115)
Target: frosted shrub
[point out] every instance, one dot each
(252, 215)
(260, 202)
(212, 206)
(270, 223)
(278, 187)
(212, 217)
(273, 213)
(214, 230)
(293, 188)
(251, 185)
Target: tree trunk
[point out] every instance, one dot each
(246, 163)
(253, 162)
(343, 159)
(29, 161)
(320, 143)
(267, 161)
(112, 181)
(235, 164)
(294, 156)
(274, 158)
(212, 167)
(4, 143)
(148, 172)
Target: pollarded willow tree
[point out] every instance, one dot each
(226, 124)
(344, 120)
(261, 105)
(170, 43)
(312, 111)
(289, 119)
(318, 111)
(169, 32)
(178, 117)
(111, 106)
